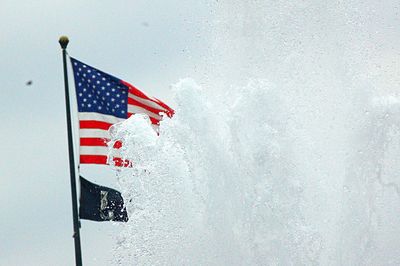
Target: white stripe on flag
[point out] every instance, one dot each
(97, 150)
(94, 133)
(99, 117)
(93, 150)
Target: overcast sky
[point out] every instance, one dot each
(151, 44)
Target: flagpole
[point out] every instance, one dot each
(78, 253)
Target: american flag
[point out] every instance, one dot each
(104, 100)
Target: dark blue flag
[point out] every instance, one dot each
(99, 203)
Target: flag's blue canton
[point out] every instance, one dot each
(99, 92)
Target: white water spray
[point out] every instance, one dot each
(287, 152)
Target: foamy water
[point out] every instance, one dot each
(286, 154)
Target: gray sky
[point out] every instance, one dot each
(151, 44)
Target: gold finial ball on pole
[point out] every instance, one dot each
(63, 41)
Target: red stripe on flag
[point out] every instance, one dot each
(99, 142)
(102, 159)
(94, 142)
(154, 121)
(94, 124)
(94, 159)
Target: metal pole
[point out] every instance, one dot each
(78, 253)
